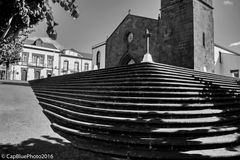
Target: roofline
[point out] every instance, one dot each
(70, 56)
(128, 15)
(210, 6)
(41, 48)
(76, 51)
(118, 26)
(98, 45)
(226, 49)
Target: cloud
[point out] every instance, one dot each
(228, 2)
(235, 44)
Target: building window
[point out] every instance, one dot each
(76, 67)
(98, 59)
(65, 65)
(220, 57)
(38, 60)
(24, 58)
(203, 40)
(86, 66)
(235, 73)
(50, 61)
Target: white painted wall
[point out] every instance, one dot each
(71, 62)
(16, 69)
(102, 49)
(229, 61)
(89, 62)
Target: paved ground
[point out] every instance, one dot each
(25, 130)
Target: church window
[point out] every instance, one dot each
(203, 40)
(98, 59)
(220, 57)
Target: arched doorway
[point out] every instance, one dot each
(37, 74)
(98, 59)
(24, 74)
(126, 59)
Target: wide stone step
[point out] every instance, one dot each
(142, 93)
(114, 80)
(166, 142)
(139, 76)
(132, 77)
(144, 99)
(163, 121)
(139, 152)
(131, 83)
(144, 88)
(154, 71)
(190, 71)
(115, 103)
(145, 111)
(124, 129)
(140, 113)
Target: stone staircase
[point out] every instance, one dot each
(145, 111)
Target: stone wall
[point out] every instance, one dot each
(117, 45)
(177, 33)
(177, 38)
(203, 24)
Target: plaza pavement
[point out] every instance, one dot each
(25, 130)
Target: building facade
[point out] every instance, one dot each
(181, 36)
(38, 60)
(41, 59)
(98, 55)
(226, 62)
(72, 61)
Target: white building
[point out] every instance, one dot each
(226, 62)
(41, 59)
(72, 61)
(98, 55)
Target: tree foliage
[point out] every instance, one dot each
(17, 17)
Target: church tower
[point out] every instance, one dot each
(187, 34)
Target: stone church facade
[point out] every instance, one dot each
(182, 36)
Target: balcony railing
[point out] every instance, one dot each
(35, 64)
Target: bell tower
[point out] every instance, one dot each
(187, 34)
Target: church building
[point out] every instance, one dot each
(182, 36)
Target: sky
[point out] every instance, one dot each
(99, 18)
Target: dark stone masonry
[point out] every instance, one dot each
(182, 36)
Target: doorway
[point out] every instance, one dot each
(37, 74)
(24, 74)
(126, 59)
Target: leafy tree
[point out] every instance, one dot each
(9, 54)
(17, 17)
